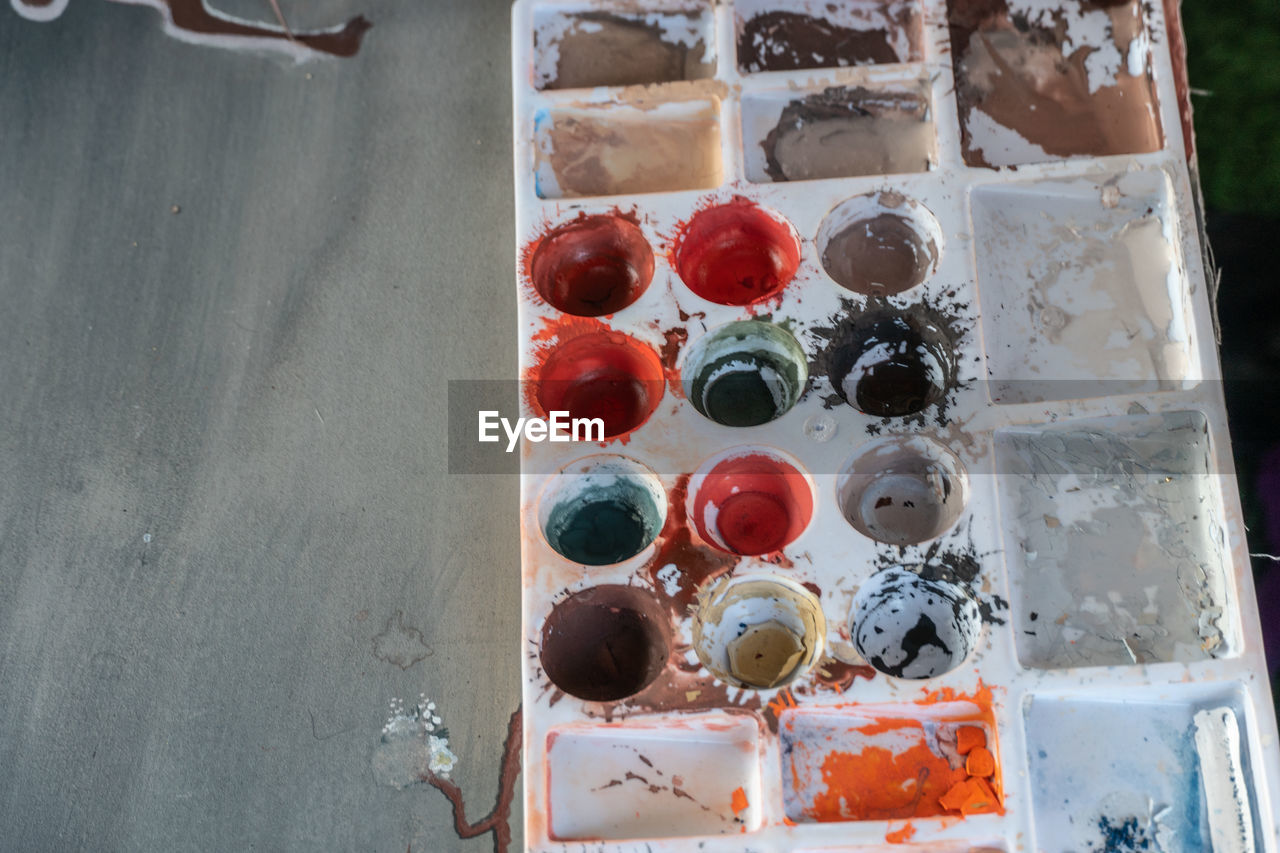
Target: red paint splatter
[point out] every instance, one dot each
(498, 821)
(735, 253)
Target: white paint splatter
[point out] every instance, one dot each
(413, 745)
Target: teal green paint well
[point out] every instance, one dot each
(604, 525)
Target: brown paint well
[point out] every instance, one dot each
(605, 643)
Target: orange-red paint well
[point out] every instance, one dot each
(735, 253)
(588, 369)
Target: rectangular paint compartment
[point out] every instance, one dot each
(778, 36)
(1082, 287)
(1114, 540)
(700, 776)
(1039, 81)
(888, 762)
(594, 45)
(1142, 769)
(838, 132)
(912, 848)
(627, 149)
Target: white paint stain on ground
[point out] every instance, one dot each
(414, 744)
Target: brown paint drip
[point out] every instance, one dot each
(1181, 84)
(696, 563)
(838, 676)
(673, 340)
(498, 821)
(1016, 72)
(685, 688)
(193, 17)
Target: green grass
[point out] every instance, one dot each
(1234, 55)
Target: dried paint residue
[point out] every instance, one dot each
(681, 565)
(845, 766)
(192, 21)
(877, 784)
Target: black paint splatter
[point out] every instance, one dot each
(937, 327)
(1126, 836)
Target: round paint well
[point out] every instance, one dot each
(750, 501)
(602, 510)
(909, 627)
(903, 491)
(605, 375)
(736, 253)
(592, 265)
(745, 374)
(880, 244)
(605, 643)
(892, 364)
(758, 632)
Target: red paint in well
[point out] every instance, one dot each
(601, 374)
(761, 504)
(735, 253)
(592, 265)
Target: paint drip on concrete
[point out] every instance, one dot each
(194, 22)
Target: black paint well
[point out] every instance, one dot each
(891, 364)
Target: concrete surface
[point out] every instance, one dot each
(223, 463)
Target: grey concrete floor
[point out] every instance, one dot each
(223, 467)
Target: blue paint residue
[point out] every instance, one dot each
(1122, 836)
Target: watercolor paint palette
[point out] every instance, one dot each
(911, 520)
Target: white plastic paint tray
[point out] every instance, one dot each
(917, 438)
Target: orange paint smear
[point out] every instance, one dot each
(888, 724)
(877, 784)
(900, 836)
(739, 802)
(982, 697)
